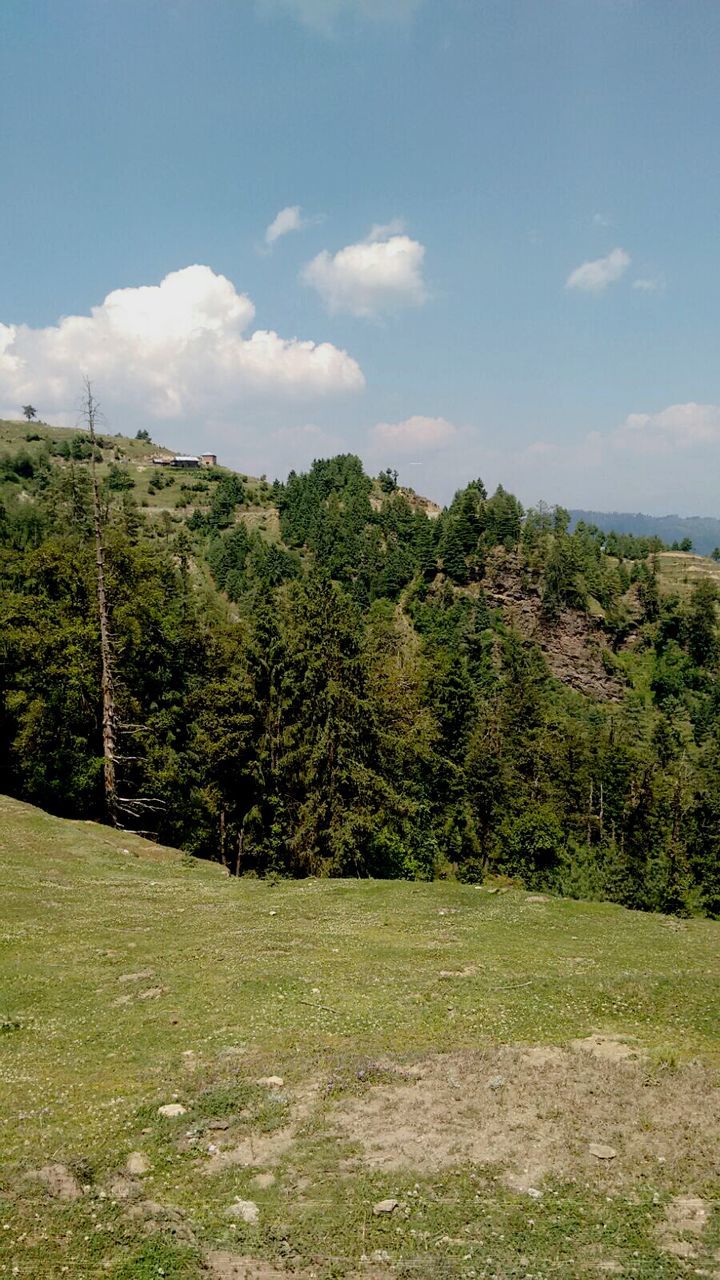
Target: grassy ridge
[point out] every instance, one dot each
(131, 975)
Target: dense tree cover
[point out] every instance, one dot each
(346, 700)
(684, 533)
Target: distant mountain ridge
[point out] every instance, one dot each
(703, 530)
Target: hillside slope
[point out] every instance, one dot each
(335, 1045)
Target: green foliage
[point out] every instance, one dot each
(351, 699)
(158, 1256)
(118, 479)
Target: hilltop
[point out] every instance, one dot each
(159, 489)
(459, 1051)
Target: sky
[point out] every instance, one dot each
(461, 238)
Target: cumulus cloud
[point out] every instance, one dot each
(413, 434)
(169, 350)
(324, 15)
(287, 220)
(595, 276)
(378, 275)
(679, 426)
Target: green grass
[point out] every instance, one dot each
(679, 571)
(329, 985)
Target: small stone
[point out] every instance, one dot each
(247, 1210)
(534, 1194)
(263, 1180)
(385, 1206)
(273, 913)
(271, 1082)
(496, 1082)
(218, 1126)
(172, 1109)
(137, 1164)
(601, 1151)
(152, 993)
(537, 897)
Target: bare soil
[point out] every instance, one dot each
(534, 1112)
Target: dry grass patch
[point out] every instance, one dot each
(536, 1112)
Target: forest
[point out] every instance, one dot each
(324, 676)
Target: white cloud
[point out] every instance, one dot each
(169, 350)
(382, 230)
(601, 220)
(287, 220)
(649, 284)
(375, 276)
(680, 426)
(324, 15)
(414, 434)
(595, 276)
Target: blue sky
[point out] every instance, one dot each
(497, 256)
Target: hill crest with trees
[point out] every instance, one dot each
(329, 676)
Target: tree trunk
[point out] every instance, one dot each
(109, 720)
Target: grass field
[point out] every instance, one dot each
(335, 1045)
(679, 571)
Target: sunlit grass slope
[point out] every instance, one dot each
(132, 977)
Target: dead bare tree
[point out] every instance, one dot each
(109, 719)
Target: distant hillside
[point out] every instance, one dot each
(703, 530)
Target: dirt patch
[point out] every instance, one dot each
(59, 1181)
(263, 1150)
(607, 1048)
(222, 1265)
(254, 1151)
(154, 1217)
(684, 1216)
(536, 1112)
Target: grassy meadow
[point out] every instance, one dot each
(462, 1053)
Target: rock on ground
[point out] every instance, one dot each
(384, 1206)
(247, 1210)
(601, 1151)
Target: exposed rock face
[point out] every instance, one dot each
(573, 645)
